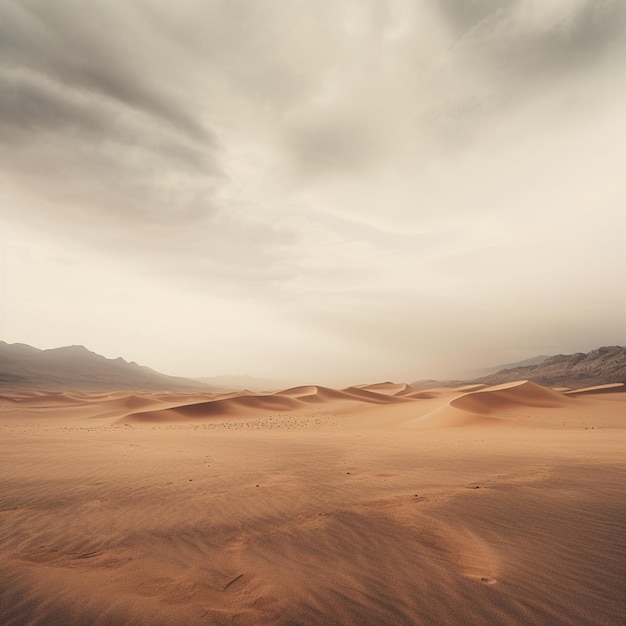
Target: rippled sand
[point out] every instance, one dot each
(370, 505)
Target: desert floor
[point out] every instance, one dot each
(377, 505)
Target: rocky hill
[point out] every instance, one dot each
(598, 367)
(76, 368)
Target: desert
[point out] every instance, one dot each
(373, 504)
(310, 313)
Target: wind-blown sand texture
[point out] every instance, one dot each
(376, 504)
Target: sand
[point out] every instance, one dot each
(376, 504)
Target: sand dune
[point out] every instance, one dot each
(388, 388)
(510, 404)
(298, 392)
(366, 395)
(239, 406)
(406, 390)
(313, 393)
(49, 398)
(293, 399)
(524, 393)
(423, 395)
(370, 505)
(608, 388)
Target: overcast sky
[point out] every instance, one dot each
(324, 191)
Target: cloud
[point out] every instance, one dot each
(103, 146)
(325, 156)
(134, 112)
(93, 50)
(518, 49)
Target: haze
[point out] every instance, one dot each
(330, 191)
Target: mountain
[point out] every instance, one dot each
(76, 368)
(598, 367)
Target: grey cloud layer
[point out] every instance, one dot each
(530, 41)
(94, 49)
(102, 144)
(120, 120)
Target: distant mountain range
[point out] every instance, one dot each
(76, 368)
(598, 367)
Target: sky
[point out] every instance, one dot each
(328, 191)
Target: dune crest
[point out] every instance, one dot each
(608, 388)
(522, 393)
(238, 406)
(367, 395)
(388, 388)
(248, 404)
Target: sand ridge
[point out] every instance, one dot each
(254, 404)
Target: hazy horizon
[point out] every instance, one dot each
(329, 192)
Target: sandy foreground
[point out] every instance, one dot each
(377, 505)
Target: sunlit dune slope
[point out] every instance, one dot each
(389, 388)
(525, 393)
(240, 406)
(493, 406)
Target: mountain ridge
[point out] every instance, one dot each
(598, 367)
(77, 367)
